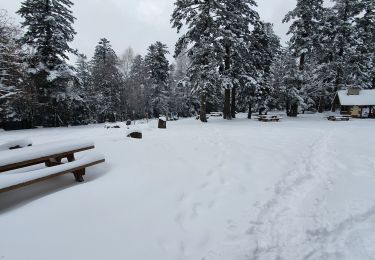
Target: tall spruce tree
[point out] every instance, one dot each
(217, 36)
(107, 81)
(345, 41)
(304, 30)
(49, 30)
(233, 19)
(201, 44)
(138, 96)
(13, 84)
(365, 28)
(158, 74)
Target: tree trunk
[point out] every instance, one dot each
(227, 112)
(250, 112)
(203, 116)
(233, 105)
(294, 110)
(302, 61)
(287, 106)
(227, 97)
(321, 104)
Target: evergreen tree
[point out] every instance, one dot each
(347, 65)
(137, 91)
(233, 19)
(201, 42)
(13, 83)
(305, 31)
(365, 28)
(49, 30)
(158, 74)
(304, 28)
(107, 82)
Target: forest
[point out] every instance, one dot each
(227, 59)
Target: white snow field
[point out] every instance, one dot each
(302, 188)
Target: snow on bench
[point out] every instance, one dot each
(10, 181)
(14, 144)
(38, 154)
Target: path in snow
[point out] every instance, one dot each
(241, 190)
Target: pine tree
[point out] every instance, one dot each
(233, 19)
(201, 42)
(158, 74)
(49, 30)
(137, 91)
(304, 28)
(265, 46)
(305, 31)
(107, 82)
(365, 29)
(347, 65)
(292, 82)
(13, 83)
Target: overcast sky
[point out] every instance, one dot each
(138, 23)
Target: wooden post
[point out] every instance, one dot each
(162, 123)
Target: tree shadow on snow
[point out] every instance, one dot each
(20, 197)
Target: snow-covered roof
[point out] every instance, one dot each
(365, 98)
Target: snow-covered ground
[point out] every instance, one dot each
(228, 190)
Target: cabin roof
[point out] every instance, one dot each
(365, 98)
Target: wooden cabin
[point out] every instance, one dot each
(355, 102)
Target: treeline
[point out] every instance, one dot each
(233, 51)
(39, 87)
(227, 59)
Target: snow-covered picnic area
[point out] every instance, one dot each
(301, 188)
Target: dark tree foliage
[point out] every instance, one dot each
(106, 81)
(158, 74)
(49, 30)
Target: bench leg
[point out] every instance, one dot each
(70, 158)
(78, 175)
(53, 162)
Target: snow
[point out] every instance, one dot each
(302, 188)
(14, 143)
(13, 178)
(365, 98)
(38, 151)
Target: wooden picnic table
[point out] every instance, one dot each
(51, 155)
(339, 118)
(269, 118)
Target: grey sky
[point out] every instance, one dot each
(138, 23)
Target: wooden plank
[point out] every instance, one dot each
(43, 159)
(74, 169)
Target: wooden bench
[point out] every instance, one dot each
(15, 144)
(269, 118)
(216, 114)
(52, 156)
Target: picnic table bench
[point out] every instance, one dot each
(216, 114)
(338, 118)
(52, 156)
(269, 118)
